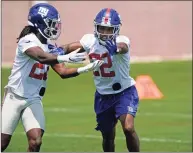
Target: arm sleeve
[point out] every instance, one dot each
(86, 41)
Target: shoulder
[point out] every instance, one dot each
(88, 37)
(88, 40)
(28, 41)
(28, 38)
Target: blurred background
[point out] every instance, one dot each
(158, 31)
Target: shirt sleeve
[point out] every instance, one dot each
(26, 43)
(86, 41)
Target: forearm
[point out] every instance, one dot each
(68, 48)
(69, 73)
(39, 55)
(64, 72)
(52, 59)
(48, 59)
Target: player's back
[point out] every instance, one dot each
(113, 76)
(28, 77)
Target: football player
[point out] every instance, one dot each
(116, 97)
(27, 82)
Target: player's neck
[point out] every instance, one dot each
(41, 38)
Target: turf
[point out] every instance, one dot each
(163, 125)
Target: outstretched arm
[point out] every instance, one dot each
(39, 55)
(46, 58)
(72, 47)
(64, 72)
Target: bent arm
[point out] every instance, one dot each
(122, 48)
(64, 72)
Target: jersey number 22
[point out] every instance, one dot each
(105, 65)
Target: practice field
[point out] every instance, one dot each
(163, 125)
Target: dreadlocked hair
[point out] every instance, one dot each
(27, 30)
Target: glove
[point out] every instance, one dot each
(72, 57)
(90, 67)
(111, 47)
(56, 50)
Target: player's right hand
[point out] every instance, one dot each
(91, 66)
(75, 57)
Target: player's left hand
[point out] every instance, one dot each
(56, 50)
(111, 47)
(90, 67)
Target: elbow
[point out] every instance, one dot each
(42, 61)
(63, 76)
(125, 51)
(69, 75)
(66, 73)
(123, 48)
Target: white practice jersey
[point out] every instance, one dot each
(27, 75)
(115, 69)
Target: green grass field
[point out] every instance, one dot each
(162, 125)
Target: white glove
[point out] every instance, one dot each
(72, 57)
(90, 67)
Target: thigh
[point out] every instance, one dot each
(127, 122)
(128, 103)
(33, 116)
(106, 121)
(11, 113)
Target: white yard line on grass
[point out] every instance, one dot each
(74, 110)
(144, 139)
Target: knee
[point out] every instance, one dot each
(35, 142)
(108, 137)
(128, 129)
(108, 140)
